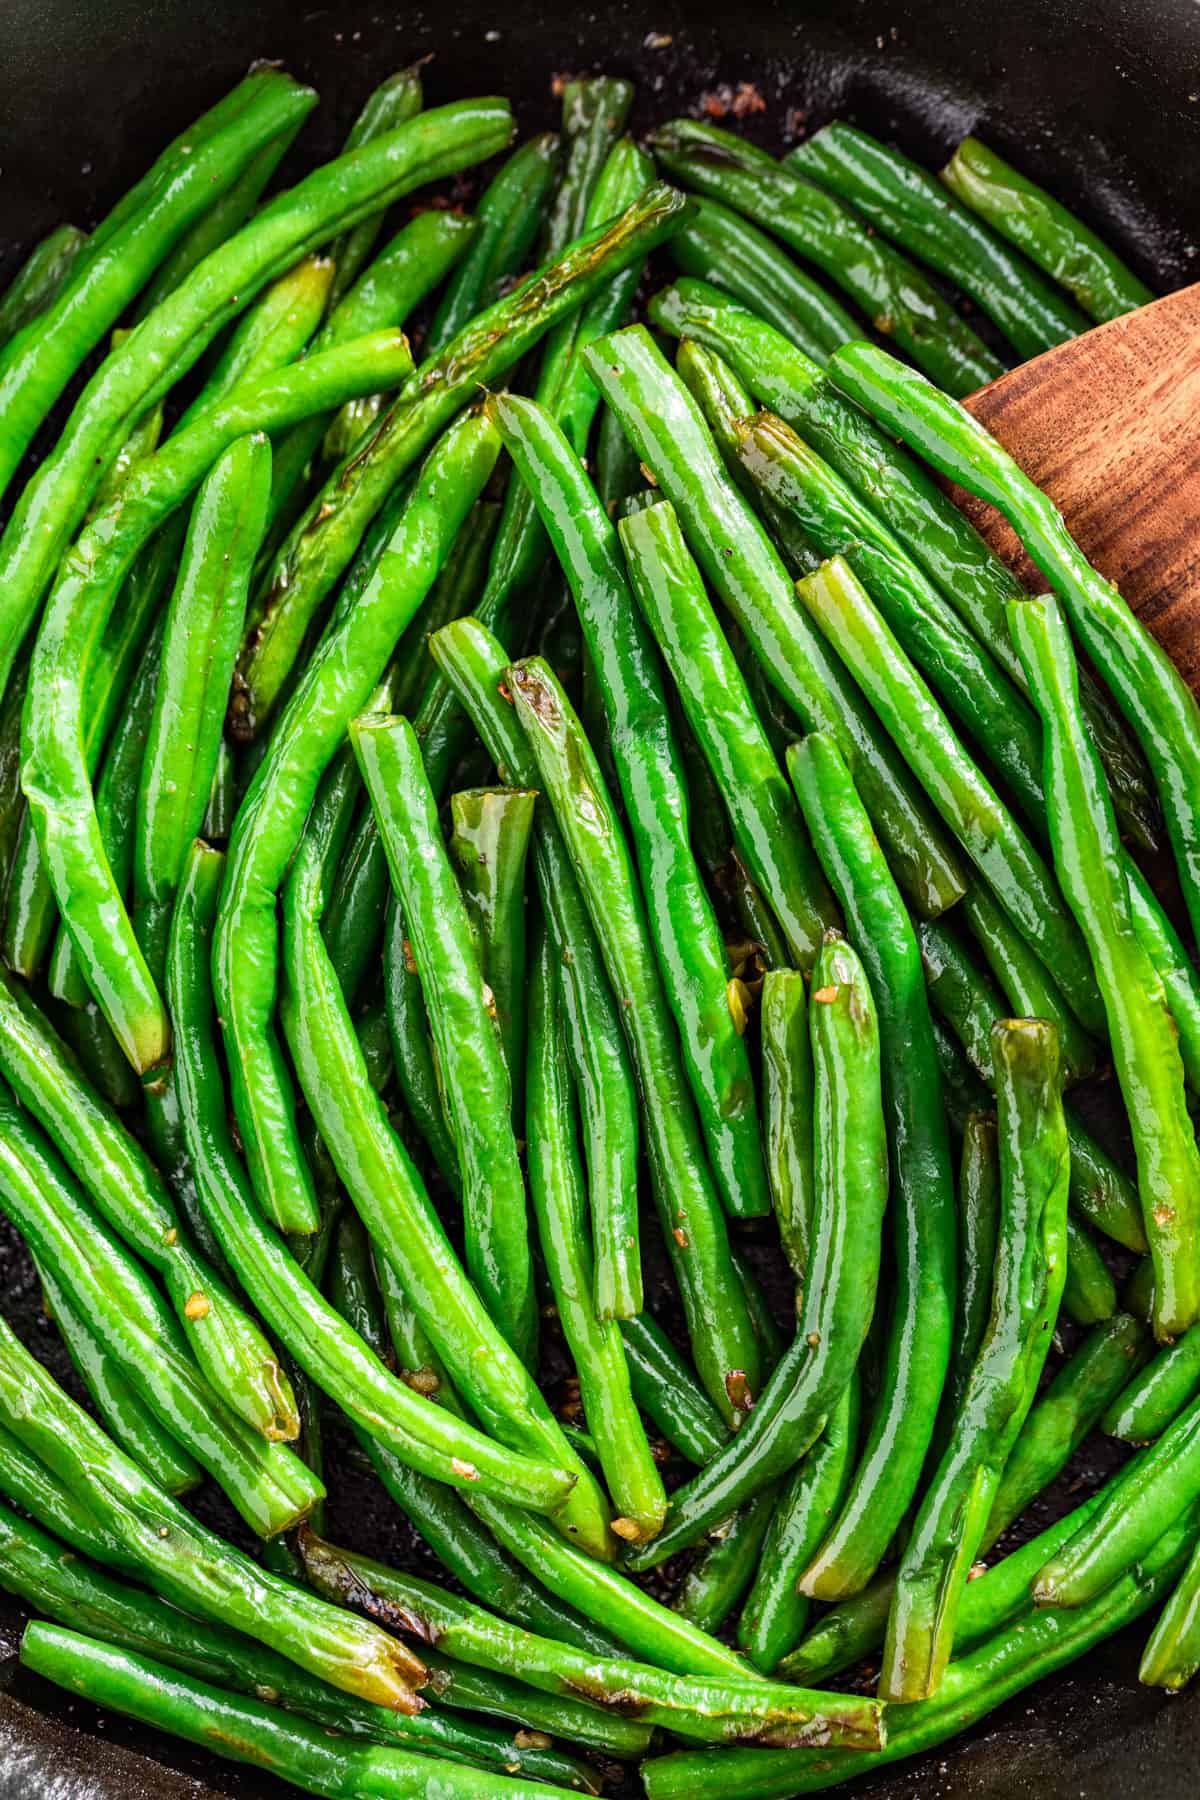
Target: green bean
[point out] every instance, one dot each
(508, 215)
(333, 1357)
(849, 1196)
(29, 1484)
(721, 246)
(473, 1078)
(964, 996)
(404, 272)
(107, 1288)
(966, 800)
(337, 683)
(906, 203)
(1153, 1490)
(713, 1709)
(122, 1411)
(324, 539)
(350, 1285)
(894, 295)
(1049, 235)
(127, 1189)
(922, 1205)
(787, 1110)
(124, 251)
(1028, 988)
(957, 667)
(412, 1049)
(1171, 963)
(979, 1226)
(1172, 1653)
(738, 562)
(183, 1560)
(766, 823)
(164, 346)
(203, 629)
(723, 1571)
(313, 1756)
(1149, 690)
(60, 1587)
(690, 951)
(396, 100)
(490, 831)
(474, 664)
(933, 531)
(1030, 1267)
(578, 1721)
(693, 1227)
(1143, 1035)
(594, 110)
(86, 1031)
(775, 1611)
(1004, 1664)
(556, 1187)
(1089, 1291)
(1156, 1396)
(40, 279)
(272, 334)
(1057, 1424)
(563, 387)
(668, 1393)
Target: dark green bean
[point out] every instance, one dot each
(412, 1050)
(850, 1193)
(787, 1110)
(922, 1207)
(1048, 234)
(508, 216)
(1156, 1396)
(489, 839)
(723, 1571)
(40, 279)
(396, 100)
(1028, 988)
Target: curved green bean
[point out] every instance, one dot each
(922, 1205)
(1030, 1267)
(850, 1193)
(1048, 234)
(893, 294)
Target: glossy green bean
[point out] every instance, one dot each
(508, 216)
(107, 1161)
(40, 279)
(893, 294)
(906, 203)
(850, 1192)
(737, 560)
(723, 1571)
(690, 951)
(765, 819)
(1027, 986)
(1030, 1267)
(272, 334)
(124, 251)
(489, 840)
(966, 800)
(721, 246)
(324, 539)
(106, 1287)
(338, 681)
(1172, 1653)
(1144, 1039)
(970, 1003)
(1171, 963)
(64, 1589)
(87, 1032)
(775, 1611)
(1048, 234)
(577, 1721)
(29, 1484)
(668, 1393)
(335, 1358)
(787, 1110)
(1004, 1664)
(1147, 687)
(121, 1409)
(922, 1207)
(183, 1560)
(934, 532)
(979, 1227)
(202, 632)
(1089, 1291)
(594, 111)
(396, 100)
(313, 1756)
(412, 1050)
(1156, 1396)
(474, 664)
(723, 1345)
(473, 1078)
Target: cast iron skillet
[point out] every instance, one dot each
(1100, 99)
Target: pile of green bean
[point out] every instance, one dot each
(551, 902)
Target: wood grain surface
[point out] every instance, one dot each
(1109, 425)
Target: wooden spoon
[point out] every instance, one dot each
(1109, 425)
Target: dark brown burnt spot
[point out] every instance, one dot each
(335, 1578)
(621, 1701)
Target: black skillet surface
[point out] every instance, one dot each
(1100, 100)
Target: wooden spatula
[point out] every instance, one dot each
(1109, 425)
